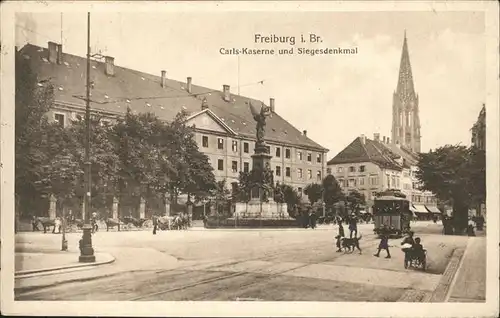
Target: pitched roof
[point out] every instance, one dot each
(369, 151)
(143, 92)
(411, 158)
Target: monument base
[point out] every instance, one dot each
(255, 209)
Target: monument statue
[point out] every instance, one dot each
(260, 118)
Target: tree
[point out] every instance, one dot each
(290, 196)
(221, 195)
(192, 173)
(476, 166)
(33, 99)
(244, 187)
(456, 175)
(103, 158)
(355, 199)
(332, 191)
(314, 192)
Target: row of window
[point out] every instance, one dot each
(277, 170)
(353, 182)
(392, 182)
(246, 149)
(423, 199)
(352, 169)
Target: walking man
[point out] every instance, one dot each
(353, 226)
(312, 219)
(341, 227)
(155, 224)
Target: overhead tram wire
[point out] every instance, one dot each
(35, 32)
(196, 95)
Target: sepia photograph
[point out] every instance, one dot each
(276, 155)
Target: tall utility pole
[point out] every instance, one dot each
(86, 250)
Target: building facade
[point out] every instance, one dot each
(370, 166)
(405, 111)
(224, 126)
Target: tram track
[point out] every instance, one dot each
(255, 281)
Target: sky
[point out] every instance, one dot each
(336, 98)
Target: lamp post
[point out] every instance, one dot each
(323, 202)
(86, 250)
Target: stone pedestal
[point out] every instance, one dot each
(52, 207)
(260, 160)
(254, 209)
(115, 208)
(142, 209)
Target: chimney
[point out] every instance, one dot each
(363, 139)
(110, 65)
(204, 104)
(271, 104)
(305, 132)
(388, 140)
(376, 137)
(189, 80)
(384, 140)
(52, 52)
(227, 93)
(163, 79)
(59, 54)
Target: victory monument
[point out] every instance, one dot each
(261, 180)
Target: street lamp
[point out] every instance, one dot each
(86, 249)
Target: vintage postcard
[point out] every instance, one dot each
(250, 158)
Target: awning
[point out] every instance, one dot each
(413, 210)
(433, 209)
(420, 208)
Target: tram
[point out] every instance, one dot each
(394, 213)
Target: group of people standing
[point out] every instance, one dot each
(351, 221)
(308, 218)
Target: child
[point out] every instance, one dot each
(339, 240)
(384, 243)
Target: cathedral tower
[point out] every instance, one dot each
(405, 120)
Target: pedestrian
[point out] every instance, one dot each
(155, 224)
(93, 221)
(312, 219)
(470, 228)
(407, 246)
(34, 223)
(341, 227)
(305, 218)
(57, 224)
(353, 226)
(384, 242)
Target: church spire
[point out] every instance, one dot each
(405, 86)
(405, 117)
